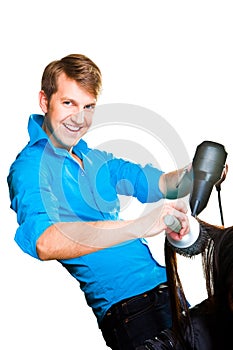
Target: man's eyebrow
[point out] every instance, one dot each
(91, 104)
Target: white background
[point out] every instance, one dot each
(173, 57)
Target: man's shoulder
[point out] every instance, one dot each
(27, 159)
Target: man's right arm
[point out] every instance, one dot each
(67, 240)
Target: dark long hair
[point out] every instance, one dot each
(217, 262)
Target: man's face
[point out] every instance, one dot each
(69, 113)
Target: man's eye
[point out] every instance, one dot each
(89, 108)
(67, 103)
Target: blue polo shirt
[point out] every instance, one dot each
(47, 186)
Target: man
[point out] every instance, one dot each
(66, 199)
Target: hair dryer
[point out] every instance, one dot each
(207, 166)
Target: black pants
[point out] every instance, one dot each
(130, 322)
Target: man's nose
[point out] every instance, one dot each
(78, 117)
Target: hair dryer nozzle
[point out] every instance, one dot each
(208, 164)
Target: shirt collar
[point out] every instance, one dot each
(36, 134)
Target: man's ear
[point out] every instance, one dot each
(43, 101)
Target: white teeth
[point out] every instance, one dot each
(72, 127)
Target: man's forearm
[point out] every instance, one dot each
(176, 184)
(67, 240)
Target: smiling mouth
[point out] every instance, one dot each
(71, 127)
